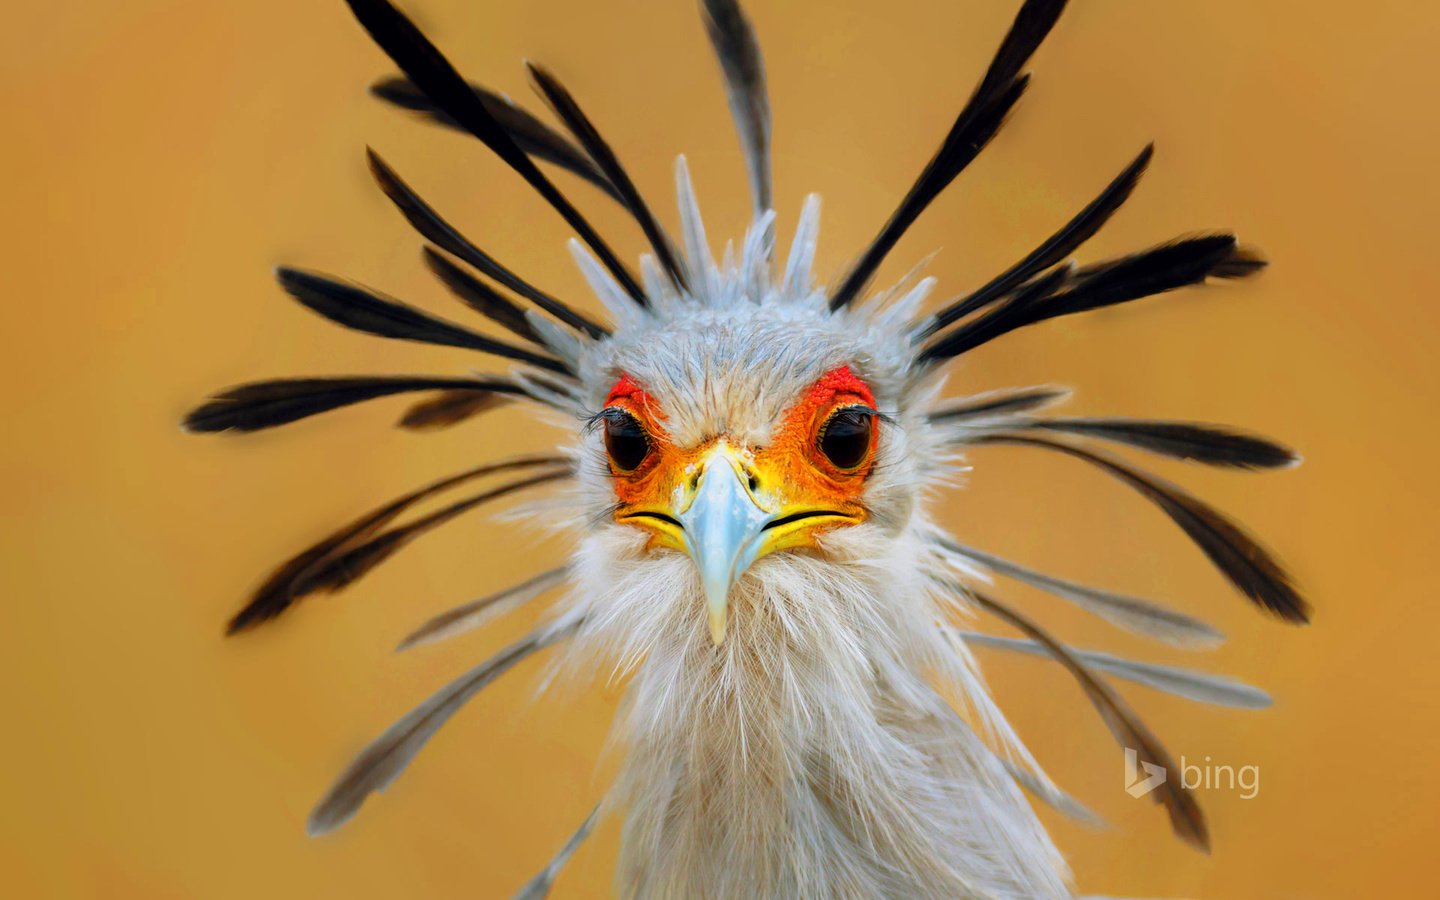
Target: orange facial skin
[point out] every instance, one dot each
(649, 485)
(790, 477)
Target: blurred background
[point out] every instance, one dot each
(161, 157)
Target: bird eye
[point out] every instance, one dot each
(845, 436)
(625, 440)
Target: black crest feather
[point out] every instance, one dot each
(974, 127)
(1210, 444)
(433, 74)
(266, 404)
(318, 567)
(343, 569)
(1065, 291)
(1000, 403)
(965, 141)
(448, 408)
(569, 111)
(1055, 248)
(431, 226)
(481, 297)
(362, 310)
(1239, 557)
(532, 135)
(380, 763)
(739, 53)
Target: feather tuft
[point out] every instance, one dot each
(798, 276)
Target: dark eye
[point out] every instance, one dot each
(845, 437)
(625, 440)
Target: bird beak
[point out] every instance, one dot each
(730, 508)
(725, 532)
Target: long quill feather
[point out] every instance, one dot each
(383, 761)
(973, 129)
(1213, 445)
(1186, 819)
(476, 613)
(1135, 615)
(1053, 251)
(283, 587)
(532, 135)
(425, 220)
(266, 404)
(1239, 557)
(1201, 687)
(362, 310)
(738, 50)
(569, 111)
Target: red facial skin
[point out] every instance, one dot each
(627, 389)
(795, 445)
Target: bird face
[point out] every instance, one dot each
(727, 502)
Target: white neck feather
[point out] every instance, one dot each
(809, 755)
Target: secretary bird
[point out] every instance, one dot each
(750, 494)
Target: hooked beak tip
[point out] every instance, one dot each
(717, 625)
(716, 584)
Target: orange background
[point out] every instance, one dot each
(161, 157)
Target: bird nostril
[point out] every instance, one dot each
(754, 483)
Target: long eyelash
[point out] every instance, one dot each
(857, 407)
(590, 421)
(593, 420)
(887, 418)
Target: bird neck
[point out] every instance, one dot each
(809, 756)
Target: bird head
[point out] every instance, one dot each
(731, 432)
